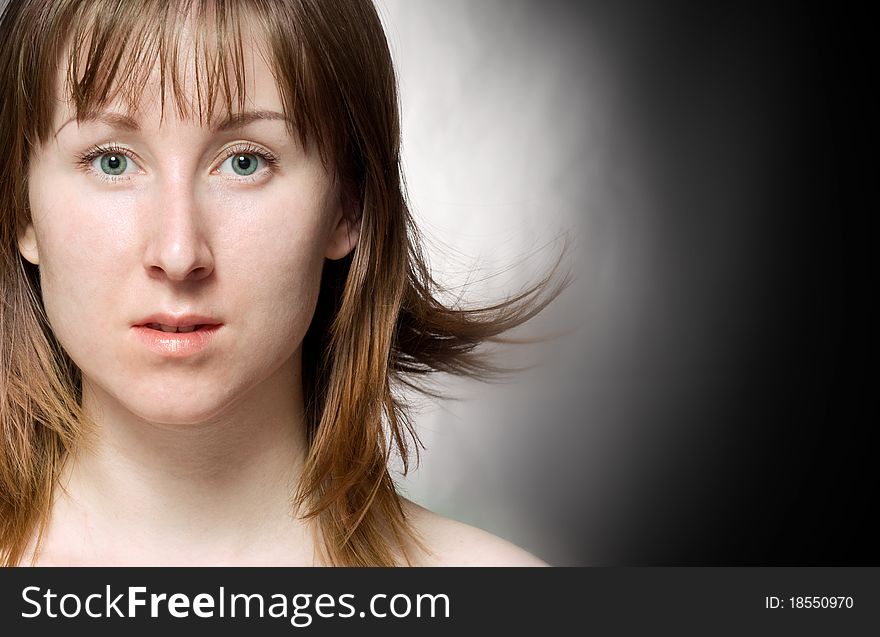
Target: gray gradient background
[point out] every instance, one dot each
(509, 137)
(687, 421)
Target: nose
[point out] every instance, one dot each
(178, 247)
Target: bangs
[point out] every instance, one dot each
(197, 48)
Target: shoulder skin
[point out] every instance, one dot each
(453, 543)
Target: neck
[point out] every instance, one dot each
(217, 491)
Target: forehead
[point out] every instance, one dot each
(203, 64)
(158, 100)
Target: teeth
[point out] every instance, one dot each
(171, 328)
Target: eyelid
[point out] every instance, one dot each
(247, 148)
(85, 160)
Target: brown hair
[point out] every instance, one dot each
(378, 324)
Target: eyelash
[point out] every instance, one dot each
(85, 160)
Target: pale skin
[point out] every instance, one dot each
(194, 460)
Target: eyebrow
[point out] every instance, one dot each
(240, 120)
(232, 122)
(116, 120)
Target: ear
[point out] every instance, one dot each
(27, 244)
(346, 231)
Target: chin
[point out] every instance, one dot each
(183, 412)
(166, 399)
(178, 404)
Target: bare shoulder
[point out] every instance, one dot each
(452, 543)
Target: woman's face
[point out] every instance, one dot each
(134, 218)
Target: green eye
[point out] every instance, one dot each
(244, 164)
(248, 160)
(114, 163)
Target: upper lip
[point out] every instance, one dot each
(181, 320)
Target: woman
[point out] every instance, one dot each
(211, 288)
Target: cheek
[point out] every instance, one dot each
(83, 249)
(279, 270)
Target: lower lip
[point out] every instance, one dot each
(176, 344)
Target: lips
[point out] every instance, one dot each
(177, 336)
(177, 345)
(173, 328)
(167, 322)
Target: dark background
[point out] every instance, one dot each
(753, 121)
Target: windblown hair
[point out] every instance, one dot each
(379, 325)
